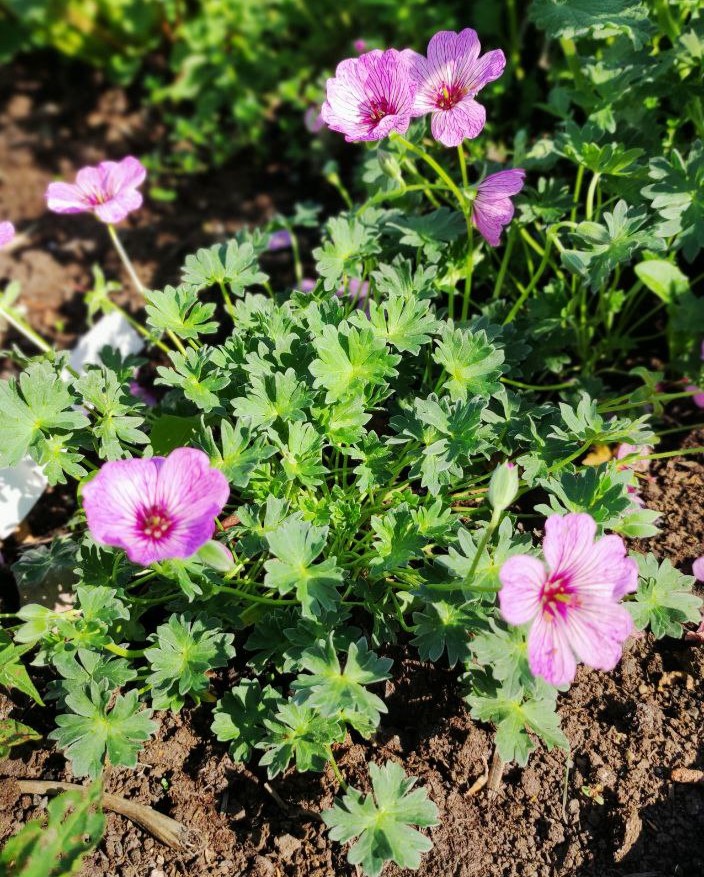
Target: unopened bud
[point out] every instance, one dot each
(503, 487)
(389, 165)
(216, 555)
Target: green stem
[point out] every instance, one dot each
(125, 259)
(511, 240)
(565, 385)
(469, 271)
(336, 769)
(439, 170)
(463, 165)
(124, 653)
(22, 327)
(664, 455)
(533, 282)
(255, 598)
(226, 299)
(590, 195)
(484, 541)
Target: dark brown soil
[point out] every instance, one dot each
(44, 138)
(628, 730)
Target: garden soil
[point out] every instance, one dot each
(617, 812)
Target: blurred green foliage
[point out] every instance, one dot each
(218, 71)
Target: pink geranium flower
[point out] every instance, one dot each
(698, 569)
(306, 284)
(573, 605)
(108, 190)
(447, 81)
(370, 96)
(625, 450)
(279, 240)
(157, 508)
(492, 208)
(7, 233)
(698, 397)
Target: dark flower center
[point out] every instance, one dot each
(450, 96)
(376, 110)
(558, 597)
(154, 522)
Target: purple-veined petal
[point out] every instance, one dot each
(549, 651)
(119, 206)
(66, 198)
(522, 578)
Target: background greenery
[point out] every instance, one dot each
(219, 72)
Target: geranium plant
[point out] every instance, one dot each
(323, 473)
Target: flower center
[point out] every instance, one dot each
(376, 110)
(449, 96)
(558, 597)
(154, 523)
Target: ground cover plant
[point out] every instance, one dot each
(437, 436)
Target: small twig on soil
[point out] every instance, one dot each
(292, 811)
(163, 828)
(479, 783)
(496, 772)
(687, 775)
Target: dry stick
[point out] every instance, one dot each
(163, 828)
(496, 771)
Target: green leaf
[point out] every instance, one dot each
(241, 452)
(515, 712)
(233, 264)
(74, 827)
(600, 491)
(350, 363)
(295, 544)
(374, 458)
(94, 733)
(431, 232)
(443, 626)
(185, 650)
(39, 403)
(239, 716)
(403, 321)
(350, 243)
(607, 246)
(598, 19)
(111, 405)
(663, 278)
(299, 733)
(196, 375)
(664, 600)
(170, 431)
(50, 564)
(13, 674)
(397, 539)
(329, 689)
(382, 821)
(472, 363)
(675, 194)
(505, 651)
(301, 456)
(14, 733)
(178, 310)
(273, 397)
